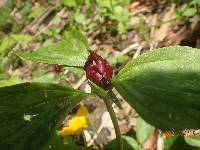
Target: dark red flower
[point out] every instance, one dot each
(98, 70)
(57, 68)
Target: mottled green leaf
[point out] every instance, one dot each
(164, 87)
(29, 113)
(71, 51)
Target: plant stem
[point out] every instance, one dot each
(112, 7)
(108, 104)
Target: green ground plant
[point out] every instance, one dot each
(162, 86)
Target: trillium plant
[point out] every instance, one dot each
(163, 86)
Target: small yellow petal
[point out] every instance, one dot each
(66, 131)
(77, 124)
(82, 111)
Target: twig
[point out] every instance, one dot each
(137, 53)
(159, 143)
(197, 132)
(30, 26)
(50, 24)
(129, 48)
(35, 23)
(105, 119)
(153, 45)
(80, 82)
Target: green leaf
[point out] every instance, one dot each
(104, 4)
(4, 16)
(195, 2)
(71, 51)
(120, 14)
(9, 41)
(189, 12)
(129, 143)
(49, 77)
(79, 18)
(55, 143)
(194, 141)
(29, 113)
(6, 43)
(121, 27)
(163, 86)
(177, 143)
(122, 59)
(75, 39)
(22, 37)
(143, 130)
(169, 141)
(1, 70)
(37, 12)
(69, 3)
(123, 2)
(12, 81)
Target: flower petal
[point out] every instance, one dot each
(77, 124)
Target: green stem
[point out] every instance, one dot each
(108, 104)
(112, 7)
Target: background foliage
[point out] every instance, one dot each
(119, 30)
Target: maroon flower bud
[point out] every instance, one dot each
(98, 70)
(57, 68)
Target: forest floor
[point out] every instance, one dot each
(151, 24)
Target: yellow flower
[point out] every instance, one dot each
(77, 124)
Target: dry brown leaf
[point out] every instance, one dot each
(162, 32)
(133, 5)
